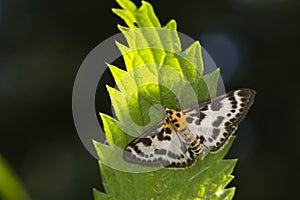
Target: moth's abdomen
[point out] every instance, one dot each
(194, 143)
(196, 147)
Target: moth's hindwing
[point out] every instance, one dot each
(158, 147)
(217, 119)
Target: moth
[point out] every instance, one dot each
(184, 134)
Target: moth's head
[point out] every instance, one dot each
(169, 113)
(173, 113)
(173, 117)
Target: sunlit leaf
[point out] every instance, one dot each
(154, 64)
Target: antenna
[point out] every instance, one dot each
(179, 92)
(152, 104)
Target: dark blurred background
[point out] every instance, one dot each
(42, 45)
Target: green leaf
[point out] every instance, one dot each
(10, 185)
(205, 180)
(156, 67)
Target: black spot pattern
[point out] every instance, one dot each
(244, 100)
(160, 135)
(227, 124)
(234, 102)
(168, 130)
(146, 141)
(170, 112)
(167, 138)
(232, 120)
(202, 116)
(204, 108)
(232, 98)
(136, 149)
(174, 120)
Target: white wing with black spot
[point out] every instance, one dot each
(217, 119)
(158, 147)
